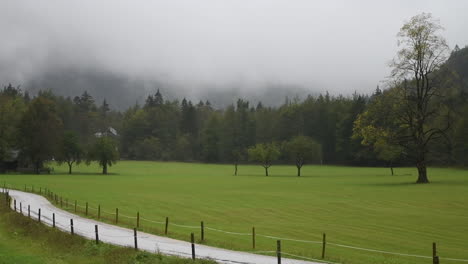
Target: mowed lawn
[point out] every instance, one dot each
(360, 207)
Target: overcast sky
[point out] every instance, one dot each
(339, 46)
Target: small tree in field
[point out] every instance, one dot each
(302, 149)
(70, 151)
(266, 154)
(379, 127)
(237, 156)
(105, 152)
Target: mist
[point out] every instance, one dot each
(209, 49)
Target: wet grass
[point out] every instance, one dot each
(362, 207)
(25, 241)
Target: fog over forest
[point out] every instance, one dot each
(215, 50)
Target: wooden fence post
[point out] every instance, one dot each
(21, 208)
(116, 215)
(192, 239)
(202, 231)
(86, 208)
(75, 206)
(71, 227)
(39, 215)
(29, 211)
(167, 224)
(99, 212)
(253, 237)
(324, 242)
(138, 219)
(135, 236)
(53, 220)
(278, 251)
(97, 234)
(14, 201)
(435, 258)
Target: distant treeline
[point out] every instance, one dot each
(195, 131)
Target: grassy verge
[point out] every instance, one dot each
(25, 241)
(361, 207)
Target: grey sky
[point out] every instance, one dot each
(339, 46)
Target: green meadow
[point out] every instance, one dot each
(354, 206)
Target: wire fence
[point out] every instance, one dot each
(252, 234)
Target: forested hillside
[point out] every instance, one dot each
(183, 130)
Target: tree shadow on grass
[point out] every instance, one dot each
(276, 176)
(413, 183)
(89, 173)
(396, 184)
(394, 175)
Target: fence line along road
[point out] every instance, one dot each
(288, 239)
(125, 237)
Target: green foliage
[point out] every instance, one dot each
(302, 150)
(40, 131)
(172, 130)
(70, 151)
(266, 154)
(12, 107)
(147, 149)
(104, 151)
(379, 126)
(210, 140)
(460, 139)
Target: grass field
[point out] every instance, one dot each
(361, 207)
(25, 241)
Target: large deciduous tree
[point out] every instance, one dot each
(302, 149)
(12, 107)
(40, 132)
(266, 154)
(417, 90)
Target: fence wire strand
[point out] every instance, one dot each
(156, 222)
(291, 239)
(228, 232)
(302, 257)
(11, 187)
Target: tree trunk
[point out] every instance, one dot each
(104, 168)
(422, 173)
(266, 171)
(299, 163)
(391, 169)
(69, 168)
(235, 169)
(37, 166)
